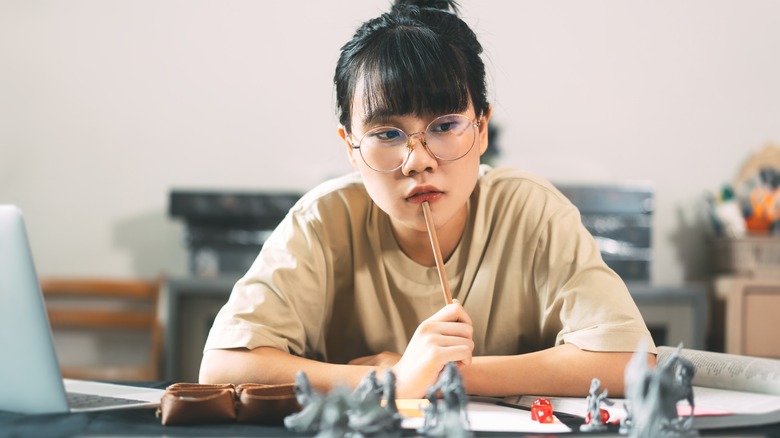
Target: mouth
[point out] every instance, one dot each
(423, 194)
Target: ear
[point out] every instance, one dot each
(350, 150)
(483, 130)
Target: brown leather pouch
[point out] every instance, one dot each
(265, 404)
(192, 403)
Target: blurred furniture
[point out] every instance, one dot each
(751, 256)
(105, 329)
(674, 314)
(746, 295)
(619, 216)
(224, 232)
(190, 305)
(752, 318)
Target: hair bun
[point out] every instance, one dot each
(443, 5)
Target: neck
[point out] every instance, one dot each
(417, 244)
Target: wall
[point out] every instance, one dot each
(105, 106)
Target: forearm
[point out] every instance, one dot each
(564, 370)
(271, 366)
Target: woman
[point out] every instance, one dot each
(347, 283)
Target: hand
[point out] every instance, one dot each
(444, 337)
(383, 360)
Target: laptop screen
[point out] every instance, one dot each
(29, 372)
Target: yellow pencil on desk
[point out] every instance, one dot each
(410, 407)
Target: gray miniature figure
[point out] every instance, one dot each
(389, 394)
(369, 389)
(334, 421)
(451, 419)
(303, 390)
(684, 377)
(635, 380)
(341, 413)
(653, 395)
(430, 412)
(309, 417)
(594, 401)
(676, 375)
(367, 416)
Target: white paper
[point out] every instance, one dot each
(729, 391)
(714, 408)
(489, 417)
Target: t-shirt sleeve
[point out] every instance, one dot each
(585, 303)
(283, 295)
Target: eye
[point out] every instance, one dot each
(385, 135)
(448, 124)
(442, 127)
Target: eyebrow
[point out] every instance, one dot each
(377, 117)
(385, 117)
(381, 118)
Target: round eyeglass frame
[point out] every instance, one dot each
(409, 148)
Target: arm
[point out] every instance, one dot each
(271, 366)
(444, 337)
(563, 370)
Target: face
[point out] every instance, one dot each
(446, 185)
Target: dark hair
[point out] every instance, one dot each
(419, 58)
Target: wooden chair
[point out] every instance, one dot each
(96, 307)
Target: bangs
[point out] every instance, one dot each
(412, 71)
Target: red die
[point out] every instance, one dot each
(542, 411)
(604, 416)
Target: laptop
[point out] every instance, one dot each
(30, 378)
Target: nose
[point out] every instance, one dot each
(419, 158)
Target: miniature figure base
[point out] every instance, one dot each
(593, 427)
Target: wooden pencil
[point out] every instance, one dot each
(445, 286)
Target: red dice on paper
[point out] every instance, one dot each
(542, 411)
(604, 416)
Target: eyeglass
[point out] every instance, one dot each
(447, 138)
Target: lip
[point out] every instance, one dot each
(420, 194)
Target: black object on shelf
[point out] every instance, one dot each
(226, 230)
(619, 216)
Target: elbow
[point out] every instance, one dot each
(211, 369)
(236, 366)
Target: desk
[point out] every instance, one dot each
(142, 422)
(127, 422)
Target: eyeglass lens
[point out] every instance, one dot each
(447, 138)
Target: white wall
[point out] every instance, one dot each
(105, 106)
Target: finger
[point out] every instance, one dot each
(454, 353)
(436, 343)
(451, 312)
(452, 341)
(463, 316)
(462, 364)
(457, 329)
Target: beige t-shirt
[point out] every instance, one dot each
(331, 282)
